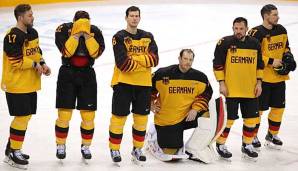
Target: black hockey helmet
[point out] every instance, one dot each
(288, 64)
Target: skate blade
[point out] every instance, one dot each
(224, 159)
(258, 149)
(117, 164)
(85, 161)
(13, 164)
(137, 162)
(6, 159)
(270, 145)
(247, 158)
(60, 161)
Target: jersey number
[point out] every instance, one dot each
(12, 38)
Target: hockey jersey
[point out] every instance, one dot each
(21, 50)
(134, 54)
(239, 64)
(178, 93)
(79, 51)
(274, 44)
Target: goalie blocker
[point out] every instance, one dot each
(199, 146)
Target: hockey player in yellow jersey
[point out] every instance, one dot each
(23, 66)
(275, 49)
(80, 44)
(180, 95)
(238, 67)
(135, 53)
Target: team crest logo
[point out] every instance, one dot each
(268, 37)
(165, 80)
(26, 42)
(233, 49)
(127, 40)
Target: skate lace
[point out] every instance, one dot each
(86, 149)
(223, 148)
(115, 153)
(138, 152)
(60, 149)
(18, 154)
(250, 148)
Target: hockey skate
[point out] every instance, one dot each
(86, 153)
(248, 152)
(223, 152)
(17, 160)
(256, 144)
(61, 153)
(273, 141)
(116, 157)
(7, 151)
(137, 156)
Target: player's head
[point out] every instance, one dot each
(240, 27)
(186, 57)
(133, 16)
(24, 14)
(270, 14)
(81, 14)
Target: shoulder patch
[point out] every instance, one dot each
(220, 41)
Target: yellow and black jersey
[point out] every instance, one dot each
(178, 93)
(135, 54)
(69, 47)
(239, 64)
(274, 44)
(21, 50)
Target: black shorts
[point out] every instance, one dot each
(21, 104)
(248, 106)
(273, 95)
(76, 84)
(124, 95)
(172, 136)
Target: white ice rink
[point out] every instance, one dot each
(175, 25)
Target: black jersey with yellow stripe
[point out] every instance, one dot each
(21, 50)
(239, 64)
(91, 48)
(134, 54)
(178, 93)
(274, 44)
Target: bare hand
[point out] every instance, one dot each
(277, 63)
(258, 88)
(155, 106)
(46, 70)
(77, 35)
(192, 114)
(38, 68)
(86, 36)
(223, 88)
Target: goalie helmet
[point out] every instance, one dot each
(288, 64)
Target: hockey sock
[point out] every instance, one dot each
(224, 135)
(249, 125)
(18, 129)
(258, 122)
(87, 126)
(116, 131)
(62, 125)
(139, 129)
(274, 120)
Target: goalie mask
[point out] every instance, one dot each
(288, 64)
